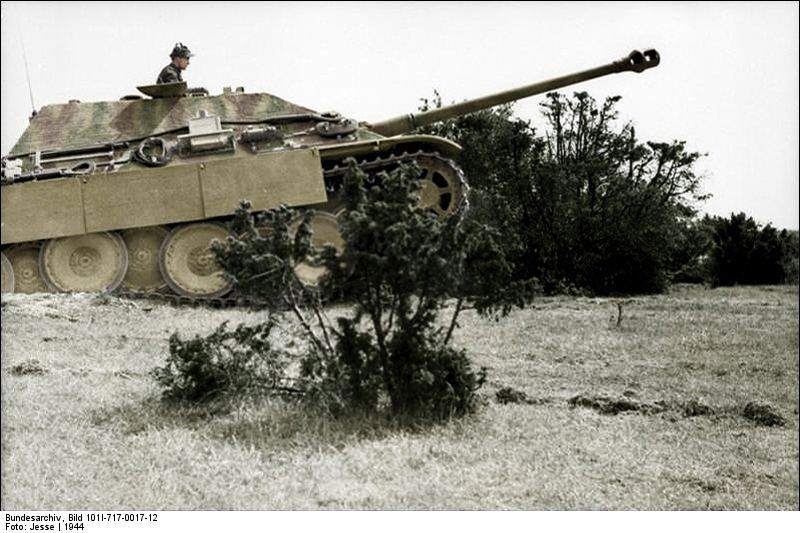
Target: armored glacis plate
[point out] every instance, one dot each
(164, 90)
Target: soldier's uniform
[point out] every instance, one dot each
(169, 74)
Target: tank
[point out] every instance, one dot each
(127, 195)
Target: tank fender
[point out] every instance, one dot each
(374, 146)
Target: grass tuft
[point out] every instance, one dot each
(31, 367)
(763, 415)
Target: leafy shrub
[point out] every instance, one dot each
(745, 253)
(400, 266)
(226, 362)
(349, 378)
(401, 269)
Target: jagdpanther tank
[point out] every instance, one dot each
(127, 195)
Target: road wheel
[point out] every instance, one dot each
(8, 274)
(143, 246)
(84, 263)
(443, 188)
(325, 230)
(24, 259)
(187, 263)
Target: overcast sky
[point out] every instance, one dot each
(727, 83)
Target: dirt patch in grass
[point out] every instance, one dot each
(506, 395)
(613, 406)
(759, 413)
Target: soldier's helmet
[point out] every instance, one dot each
(181, 50)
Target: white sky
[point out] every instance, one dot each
(727, 83)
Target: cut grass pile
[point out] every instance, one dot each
(685, 401)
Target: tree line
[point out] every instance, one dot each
(584, 206)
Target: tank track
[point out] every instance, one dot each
(333, 175)
(376, 164)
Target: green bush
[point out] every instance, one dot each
(402, 271)
(401, 266)
(417, 381)
(224, 363)
(434, 383)
(744, 253)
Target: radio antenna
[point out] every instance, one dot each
(27, 72)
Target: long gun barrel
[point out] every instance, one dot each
(636, 61)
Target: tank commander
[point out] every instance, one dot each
(180, 60)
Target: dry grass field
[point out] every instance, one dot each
(686, 401)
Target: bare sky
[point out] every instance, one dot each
(727, 83)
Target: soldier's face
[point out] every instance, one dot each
(183, 62)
